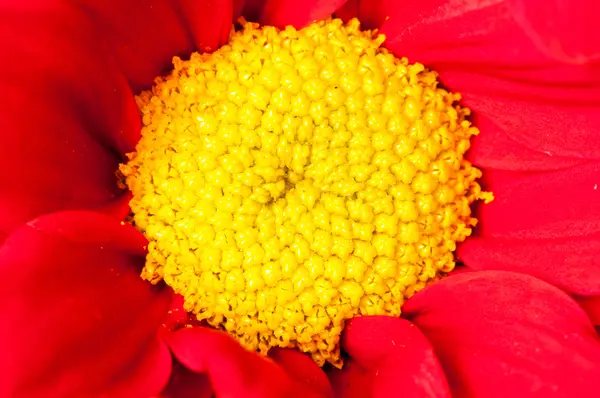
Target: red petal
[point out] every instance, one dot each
(118, 207)
(567, 31)
(570, 264)
(480, 51)
(251, 9)
(496, 150)
(502, 334)
(397, 357)
(66, 113)
(210, 21)
(303, 369)
(235, 372)
(238, 7)
(281, 13)
(178, 317)
(371, 14)
(79, 319)
(542, 224)
(145, 36)
(187, 384)
(353, 381)
(591, 305)
(547, 205)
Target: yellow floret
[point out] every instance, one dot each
(294, 179)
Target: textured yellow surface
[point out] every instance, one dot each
(295, 179)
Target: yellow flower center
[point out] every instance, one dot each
(295, 179)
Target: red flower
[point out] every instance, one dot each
(78, 321)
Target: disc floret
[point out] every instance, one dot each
(294, 179)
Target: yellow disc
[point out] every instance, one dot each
(295, 179)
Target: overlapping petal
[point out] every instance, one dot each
(235, 372)
(77, 320)
(281, 13)
(144, 36)
(591, 305)
(66, 113)
(184, 383)
(543, 224)
(372, 14)
(567, 31)
(388, 355)
(209, 21)
(549, 205)
(570, 264)
(502, 334)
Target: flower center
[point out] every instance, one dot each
(295, 179)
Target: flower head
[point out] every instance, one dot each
(80, 321)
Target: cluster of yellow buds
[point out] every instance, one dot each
(294, 179)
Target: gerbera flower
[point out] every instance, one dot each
(516, 320)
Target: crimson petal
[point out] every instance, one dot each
(563, 203)
(250, 9)
(235, 372)
(591, 305)
(144, 36)
(371, 14)
(210, 21)
(302, 369)
(186, 384)
(494, 149)
(571, 264)
(67, 113)
(503, 334)
(77, 318)
(567, 31)
(118, 207)
(353, 381)
(480, 51)
(391, 354)
(543, 224)
(281, 13)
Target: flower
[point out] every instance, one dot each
(294, 179)
(517, 320)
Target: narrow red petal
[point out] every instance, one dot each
(503, 334)
(571, 264)
(303, 369)
(494, 149)
(210, 21)
(238, 7)
(74, 294)
(591, 305)
(251, 9)
(118, 207)
(143, 36)
(178, 317)
(396, 355)
(545, 205)
(480, 51)
(235, 372)
(147, 375)
(371, 14)
(186, 384)
(67, 113)
(567, 30)
(353, 381)
(281, 13)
